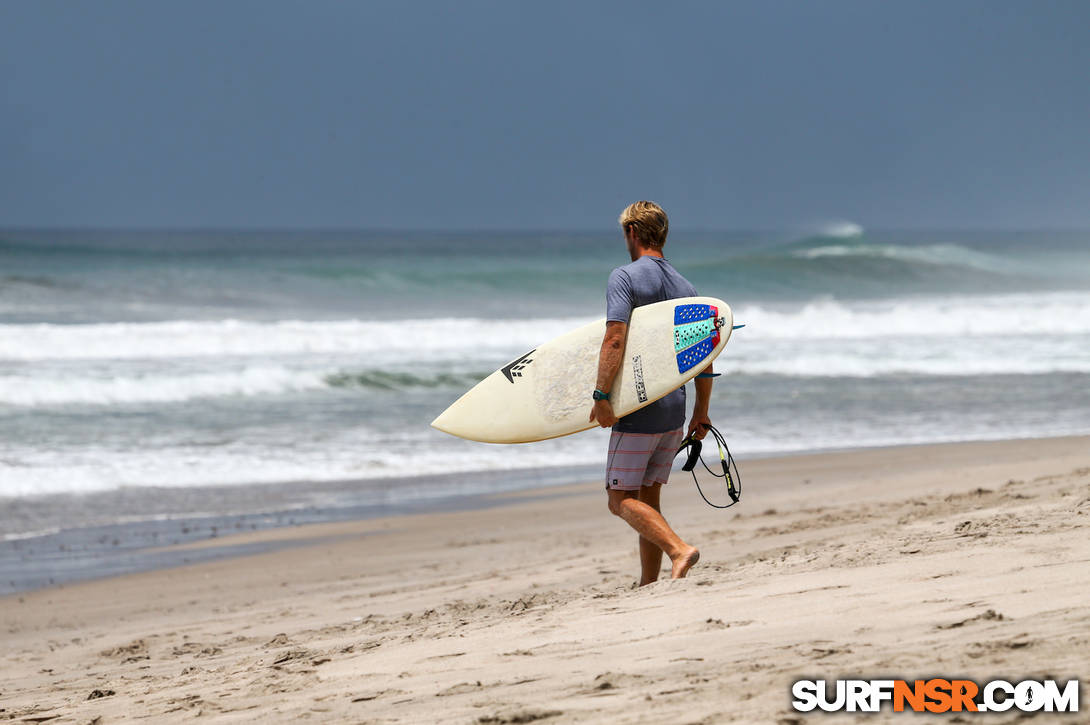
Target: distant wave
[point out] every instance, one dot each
(945, 255)
(394, 380)
(843, 230)
(855, 268)
(169, 387)
(31, 281)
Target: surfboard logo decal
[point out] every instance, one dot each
(514, 369)
(637, 375)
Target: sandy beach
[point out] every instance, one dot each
(964, 560)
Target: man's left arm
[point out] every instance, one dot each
(697, 426)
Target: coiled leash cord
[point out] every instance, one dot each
(730, 473)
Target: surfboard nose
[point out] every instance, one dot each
(441, 422)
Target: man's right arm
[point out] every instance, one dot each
(619, 304)
(609, 364)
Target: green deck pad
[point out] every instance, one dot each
(689, 334)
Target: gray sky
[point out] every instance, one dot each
(459, 115)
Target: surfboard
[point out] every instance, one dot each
(546, 393)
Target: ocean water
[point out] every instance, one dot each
(186, 361)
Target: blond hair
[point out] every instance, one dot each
(650, 222)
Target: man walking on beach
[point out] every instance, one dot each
(643, 443)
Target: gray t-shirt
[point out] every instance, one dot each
(643, 282)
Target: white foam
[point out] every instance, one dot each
(407, 340)
(364, 454)
(21, 535)
(44, 390)
(1053, 313)
(925, 356)
(357, 454)
(405, 343)
(173, 362)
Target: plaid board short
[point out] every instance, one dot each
(640, 459)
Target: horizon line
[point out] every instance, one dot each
(805, 229)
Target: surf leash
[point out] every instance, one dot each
(730, 475)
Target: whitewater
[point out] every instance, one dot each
(132, 361)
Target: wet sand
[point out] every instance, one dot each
(966, 560)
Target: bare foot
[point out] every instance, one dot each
(684, 563)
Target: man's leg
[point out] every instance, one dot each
(650, 554)
(650, 525)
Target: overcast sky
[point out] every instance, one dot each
(504, 114)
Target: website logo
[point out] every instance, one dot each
(935, 695)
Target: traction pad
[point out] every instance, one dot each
(695, 334)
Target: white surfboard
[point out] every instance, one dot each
(546, 393)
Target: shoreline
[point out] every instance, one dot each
(94, 549)
(956, 559)
(64, 555)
